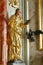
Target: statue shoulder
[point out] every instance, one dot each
(11, 19)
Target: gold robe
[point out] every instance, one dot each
(14, 37)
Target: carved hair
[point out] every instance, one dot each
(17, 10)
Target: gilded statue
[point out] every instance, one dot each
(15, 25)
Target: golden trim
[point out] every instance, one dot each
(14, 3)
(39, 13)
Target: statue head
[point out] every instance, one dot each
(18, 11)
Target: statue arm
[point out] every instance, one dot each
(23, 25)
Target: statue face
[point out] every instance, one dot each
(19, 12)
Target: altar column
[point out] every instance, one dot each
(3, 32)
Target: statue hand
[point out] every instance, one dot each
(22, 25)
